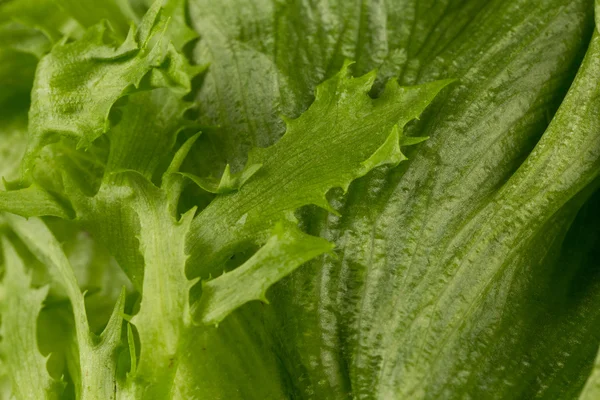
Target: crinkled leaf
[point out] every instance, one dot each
(286, 250)
(78, 83)
(90, 12)
(142, 141)
(513, 61)
(228, 183)
(21, 305)
(97, 371)
(463, 272)
(33, 201)
(161, 320)
(328, 146)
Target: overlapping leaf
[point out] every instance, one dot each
(467, 271)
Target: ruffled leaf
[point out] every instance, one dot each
(96, 373)
(21, 305)
(342, 136)
(286, 250)
(78, 83)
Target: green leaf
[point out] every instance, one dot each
(78, 83)
(12, 146)
(141, 141)
(514, 61)
(33, 201)
(148, 125)
(21, 306)
(39, 23)
(433, 247)
(96, 370)
(464, 267)
(178, 30)
(334, 142)
(228, 183)
(16, 36)
(90, 12)
(161, 321)
(235, 356)
(286, 250)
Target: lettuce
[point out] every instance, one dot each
(304, 200)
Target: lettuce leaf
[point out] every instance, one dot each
(314, 200)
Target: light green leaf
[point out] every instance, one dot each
(235, 356)
(328, 146)
(12, 146)
(162, 320)
(464, 267)
(286, 250)
(16, 36)
(178, 30)
(142, 141)
(514, 60)
(96, 370)
(90, 12)
(41, 242)
(591, 390)
(36, 20)
(172, 180)
(146, 132)
(33, 201)
(388, 153)
(78, 83)
(21, 305)
(228, 183)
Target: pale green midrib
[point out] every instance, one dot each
(163, 321)
(591, 389)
